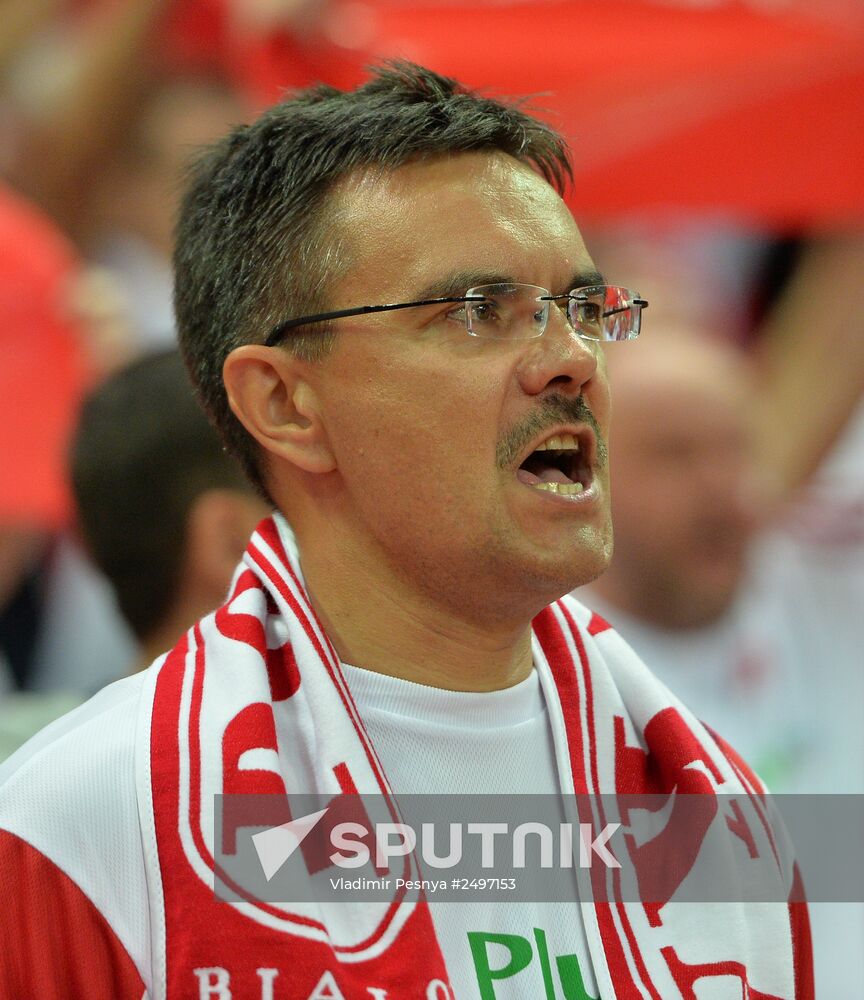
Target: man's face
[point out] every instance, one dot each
(685, 482)
(429, 425)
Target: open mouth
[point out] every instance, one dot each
(560, 464)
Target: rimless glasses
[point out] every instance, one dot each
(513, 311)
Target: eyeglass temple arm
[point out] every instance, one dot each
(291, 324)
(636, 302)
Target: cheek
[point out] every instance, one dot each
(601, 401)
(410, 441)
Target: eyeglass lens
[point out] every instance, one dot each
(519, 312)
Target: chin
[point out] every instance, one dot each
(584, 566)
(590, 569)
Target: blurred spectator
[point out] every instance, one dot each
(726, 599)
(163, 511)
(44, 368)
(98, 136)
(72, 74)
(81, 79)
(742, 592)
(708, 606)
(135, 195)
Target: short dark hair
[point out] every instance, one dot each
(253, 245)
(141, 455)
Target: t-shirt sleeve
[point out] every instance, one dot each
(55, 943)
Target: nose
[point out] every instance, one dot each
(559, 358)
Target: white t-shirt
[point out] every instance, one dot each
(490, 743)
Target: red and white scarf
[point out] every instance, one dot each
(262, 665)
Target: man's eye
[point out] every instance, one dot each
(483, 312)
(588, 312)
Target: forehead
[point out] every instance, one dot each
(471, 213)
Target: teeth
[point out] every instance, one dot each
(559, 442)
(567, 489)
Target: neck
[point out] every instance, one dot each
(160, 640)
(170, 630)
(377, 621)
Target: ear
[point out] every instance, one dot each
(270, 395)
(218, 527)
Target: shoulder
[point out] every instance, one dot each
(70, 843)
(60, 758)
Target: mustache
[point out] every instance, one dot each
(554, 409)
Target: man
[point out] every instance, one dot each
(752, 619)
(39, 274)
(730, 580)
(687, 502)
(136, 193)
(163, 511)
(390, 314)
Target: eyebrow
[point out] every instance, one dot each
(457, 283)
(584, 279)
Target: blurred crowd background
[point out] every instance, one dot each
(719, 159)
